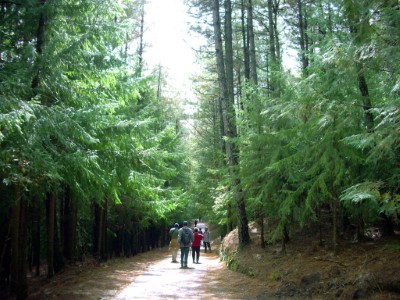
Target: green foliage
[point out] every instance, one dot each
(90, 125)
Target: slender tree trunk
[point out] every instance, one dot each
(246, 53)
(39, 47)
(69, 223)
(230, 119)
(50, 205)
(276, 33)
(285, 239)
(58, 256)
(303, 37)
(252, 44)
(334, 222)
(363, 87)
(98, 232)
(225, 78)
(104, 229)
(15, 235)
(5, 258)
(271, 33)
(273, 63)
(36, 236)
(19, 284)
(141, 44)
(335, 199)
(359, 28)
(229, 69)
(260, 221)
(22, 257)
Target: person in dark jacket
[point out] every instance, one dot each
(184, 243)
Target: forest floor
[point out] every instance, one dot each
(363, 270)
(149, 275)
(368, 269)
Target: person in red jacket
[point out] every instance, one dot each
(196, 245)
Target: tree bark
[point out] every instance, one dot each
(141, 44)
(50, 205)
(271, 33)
(100, 229)
(36, 236)
(98, 225)
(303, 37)
(225, 78)
(39, 47)
(69, 222)
(252, 44)
(246, 53)
(359, 28)
(19, 283)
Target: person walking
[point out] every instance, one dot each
(185, 239)
(207, 239)
(196, 245)
(173, 244)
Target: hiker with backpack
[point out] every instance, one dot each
(185, 239)
(196, 245)
(174, 245)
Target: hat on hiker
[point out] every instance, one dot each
(196, 229)
(185, 223)
(176, 225)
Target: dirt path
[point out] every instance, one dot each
(151, 275)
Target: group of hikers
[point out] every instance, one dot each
(185, 239)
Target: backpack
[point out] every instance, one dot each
(185, 236)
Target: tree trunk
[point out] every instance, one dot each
(274, 63)
(260, 220)
(229, 224)
(98, 232)
(363, 87)
(39, 47)
(246, 53)
(271, 33)
(276, 31)
(230, 124)
(36, 236)
(225, 78)
(19, 283)
(141, 44)
(69, 223)
(229, 97)
(100, 229)
(58, 257)
(334, 222)
(285, 239)
(50, 205)
(5, 258)
(359, 28)
(252, 45)
(303, 37)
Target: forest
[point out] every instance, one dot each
(95, 160)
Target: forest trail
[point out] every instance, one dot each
(152, 275)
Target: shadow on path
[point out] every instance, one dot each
(152, 275)
(207, 280)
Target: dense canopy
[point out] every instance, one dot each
(95, 160)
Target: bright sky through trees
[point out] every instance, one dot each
(169, 42)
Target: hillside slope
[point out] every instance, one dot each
(369, 269)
